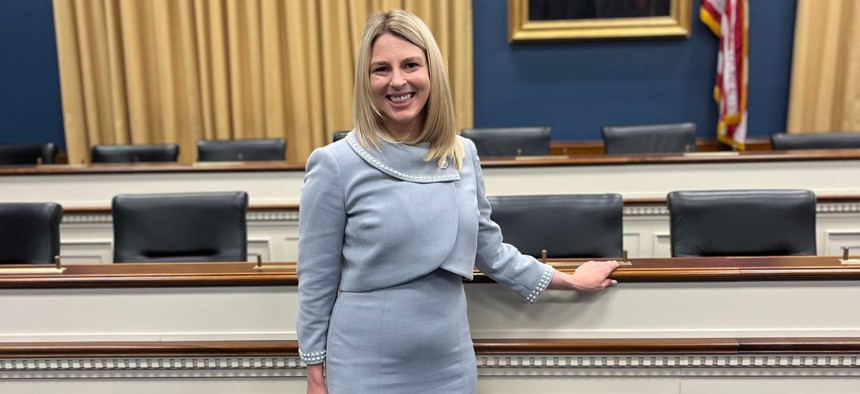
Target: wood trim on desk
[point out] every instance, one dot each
(486, 162)
(595, 147)
(656, 270)
(135, 275)
(671, 158)
(555, 346)
(148, 349)
(151, 168)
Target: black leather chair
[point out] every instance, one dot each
(28, 153)
(135, 153)
(844, 140)
(742, 223)
(584, 225)
(180, 227)
(242, 150)
(510, 141)
(29, 232)
(338, 135)
(661, 138)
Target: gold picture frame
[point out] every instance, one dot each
(523, 29)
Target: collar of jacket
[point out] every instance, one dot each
(404, 162)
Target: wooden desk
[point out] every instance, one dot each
(671, 325)
(831, 173)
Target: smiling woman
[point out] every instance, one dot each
(388, 230)
(400, 84)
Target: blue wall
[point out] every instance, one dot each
(574, 87)
(577, 87)
(30, 107)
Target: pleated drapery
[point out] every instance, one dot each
(157, 71)
(825, 75)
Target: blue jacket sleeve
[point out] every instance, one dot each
(500, 261)
(322, 222)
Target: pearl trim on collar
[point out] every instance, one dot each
(370, 159)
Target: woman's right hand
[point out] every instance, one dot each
(316, 380)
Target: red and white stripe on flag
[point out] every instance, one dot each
(728, 20)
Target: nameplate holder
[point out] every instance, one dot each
(36, 269)
(574, 264)
(551, 157)
(260, 266)
(846, 259)
(711, 154)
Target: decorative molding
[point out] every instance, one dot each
(252, 216)
(669, 361)
(494, 365)
(645, 210)
(273, 216)
(657, 209)
(662, 210)
(845, 207)
(149, 363)
(89, 218)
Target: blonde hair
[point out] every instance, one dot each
(440, 123)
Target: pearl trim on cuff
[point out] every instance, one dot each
(548, 272)
(312, 358)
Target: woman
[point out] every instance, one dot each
(393, 217)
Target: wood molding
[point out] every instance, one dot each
(703, 156)
(667, 270)
(671, 158)
(490, 346)
(595, 147)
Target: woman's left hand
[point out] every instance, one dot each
(591, 276)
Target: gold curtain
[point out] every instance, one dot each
(158, 71)
(825, 75)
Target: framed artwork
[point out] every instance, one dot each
(549, 20)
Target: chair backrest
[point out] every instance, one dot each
(27, 153)
(584, 225)
(135, 153)
(742, 223)
(29, 232)
(660, 138)
(510, 141)
(845, 140)
(180, 227)
(338, 135)
(242, 150)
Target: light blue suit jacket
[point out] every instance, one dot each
(373, 219)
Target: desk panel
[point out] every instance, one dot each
(671, 325)
(274, 189)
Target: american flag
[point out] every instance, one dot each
(728, 20)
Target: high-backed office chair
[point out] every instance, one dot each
(584, 225)
(510, 141)
(28, 153)
(742, 223)
(844, 140)
(661, 138)
(29, 232)
(242, 150)
(180, 227)
(135, 153)
(338, 135)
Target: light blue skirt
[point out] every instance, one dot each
(411, 338)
